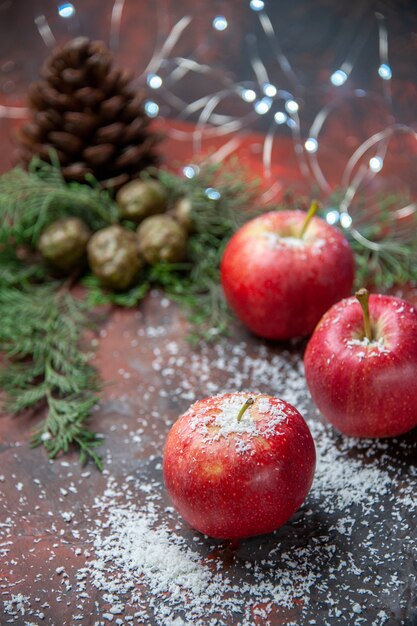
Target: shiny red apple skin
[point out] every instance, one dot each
(280, 291)
(238, 484)
(365, 390)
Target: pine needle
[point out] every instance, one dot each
(384, 245)
(30, 201)
(98, 296)
(45, 367)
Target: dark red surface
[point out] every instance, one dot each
(38, 540)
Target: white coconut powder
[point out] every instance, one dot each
(221, 419)
(175, 582)
(343, 558)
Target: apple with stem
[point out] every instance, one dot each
(361, 366)
(238, 464)
(282, 270)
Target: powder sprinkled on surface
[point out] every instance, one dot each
(199, 582)
(345, 558)
(143, 550)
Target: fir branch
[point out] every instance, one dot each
(384, 244)
(98, 296)
(30, 201)
(44, 365)
(19, 267)
(390, 265)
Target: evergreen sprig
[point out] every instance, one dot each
(30, 201)
(45, 367)
(384, 241)
(97, 296)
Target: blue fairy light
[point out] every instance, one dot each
(66, 9)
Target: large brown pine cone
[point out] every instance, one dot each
(85, 109)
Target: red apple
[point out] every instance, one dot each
(361, 366)
(278, 281)
(238, 465)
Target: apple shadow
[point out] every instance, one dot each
(398, 453)
(267, 552)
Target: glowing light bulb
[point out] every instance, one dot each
(154, 81)
(345, 220)
(332, 217)
(280, 117)
(151, 108)
(263, 106)
(66, 9)
(220, 22)
(375, 164)
(291, 106)
(385, 71)
(190, 171)
(257, 5)
(338, 78)
(213, 194)
(248, 95)
(311, 145)
(269, 90)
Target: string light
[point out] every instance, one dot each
(385, 71)
(66, 10)
(345, 220)
(311, 145)
(212, 194)
(154, 81)
(332, 217)
(257, 5)
(338, 78)
(190, 171)
(220, 22)
(151, 108)
(280, 117)
(262, 96)
(291, 106)
(269, 90)
(375, 164)
(263, 106)
(248, 95)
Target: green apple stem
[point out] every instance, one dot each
(310, 214)
(244, 407)
(363, 296)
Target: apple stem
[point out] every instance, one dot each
(363, 297)
(314, 206)
(244, 407)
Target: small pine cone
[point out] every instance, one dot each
(161, 238)
(64, 242)
(139, 199)
(114, 257)
(85, 110)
